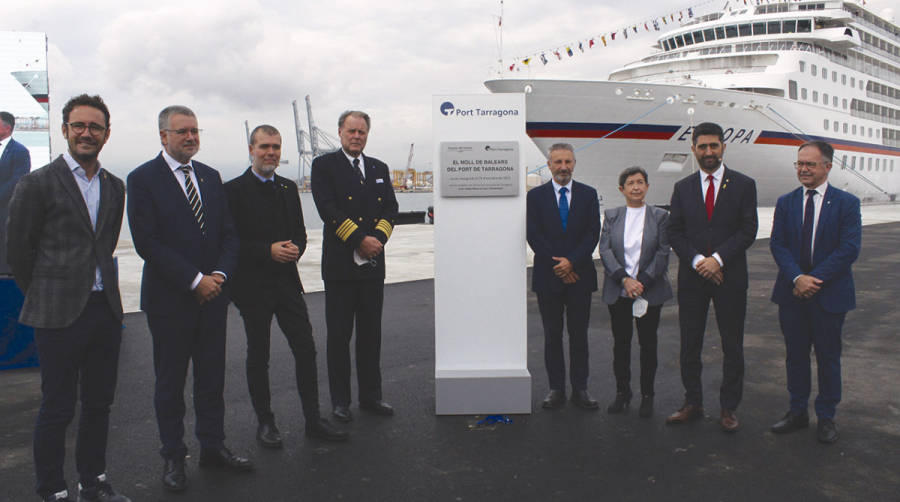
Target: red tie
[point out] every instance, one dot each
(710, 197)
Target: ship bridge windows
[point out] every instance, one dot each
(774, 27)
(688, 39)
(789, 26)
(698, 37)
(731, 31)
(679, 41)
(709, 34)
(804, 26)
(759, 28)
(745, 30)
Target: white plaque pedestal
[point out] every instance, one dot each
(480, 267)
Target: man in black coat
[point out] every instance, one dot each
(712, 223)
(356, 202)
(269, 222)
(563, 227)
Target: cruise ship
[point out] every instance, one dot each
(772, 75)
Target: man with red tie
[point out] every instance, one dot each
(712, 223)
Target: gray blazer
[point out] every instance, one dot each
(654, 262)
(52, 248)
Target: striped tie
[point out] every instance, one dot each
(193, 198)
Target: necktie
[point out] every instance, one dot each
(193, 197)
(563, 206)
(362, 178)
(808, 217)
(710, 197)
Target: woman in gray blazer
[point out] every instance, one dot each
(635, 253)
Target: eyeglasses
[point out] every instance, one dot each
(185, 131)
(79, 127)
(806, 165)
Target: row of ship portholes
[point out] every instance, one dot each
(849, 128)
(867, 164)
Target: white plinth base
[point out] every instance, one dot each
(482, 391)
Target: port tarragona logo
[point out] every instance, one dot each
(447, 108)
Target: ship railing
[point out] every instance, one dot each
(857, 18)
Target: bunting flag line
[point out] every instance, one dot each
(650, 25)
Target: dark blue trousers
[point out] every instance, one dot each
(575, 306)
(197, 338)
(806, 325)
(85, 355)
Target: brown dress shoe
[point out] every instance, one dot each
(729, 421)
(687, 413)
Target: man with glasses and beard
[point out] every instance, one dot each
(269, 222)
(64, 222)
(712, 223)
(181, 227)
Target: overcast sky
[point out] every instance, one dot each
(232, 61)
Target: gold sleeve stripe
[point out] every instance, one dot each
(385, 228)
(346, 229)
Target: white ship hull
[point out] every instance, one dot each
(761, 136)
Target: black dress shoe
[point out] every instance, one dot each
(268, 435)
(620, 403)
(583, 400)
(790, 423)
(342, 414)
(324, 430)
(223, 458)
(174, 478)
(827, 431)
(377, 407)
(99, 491)
(646, 408)
(554, 400)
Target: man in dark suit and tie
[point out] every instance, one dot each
(269, 222)
(15, 162)
(563, 228)
(183, 230)
(64, 222)
(713, 221)
(816, 237)
(356, 202)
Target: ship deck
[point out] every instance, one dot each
(549, 455)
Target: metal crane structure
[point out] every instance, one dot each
(305, 156)
(318, 140)
(409, 182)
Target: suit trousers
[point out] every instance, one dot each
(196, 337)
(576, 307)
(805, 325)
(285, 302)
(621, 321)
(731, 310)
(85, 354)
(346, 303)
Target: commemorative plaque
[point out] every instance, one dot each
(480, 169)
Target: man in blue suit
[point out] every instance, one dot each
(816, 237)
(15, 162)
(563, 228)
(183, 230)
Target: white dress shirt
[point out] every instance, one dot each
(633, 239)
(362, 164)
(717, 175)
(3, 143)
(90, 192)
(568, 187)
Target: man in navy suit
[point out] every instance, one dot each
(15, 162)
(183, 230)
(712, 222)
(563, 228)
(816, 237)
